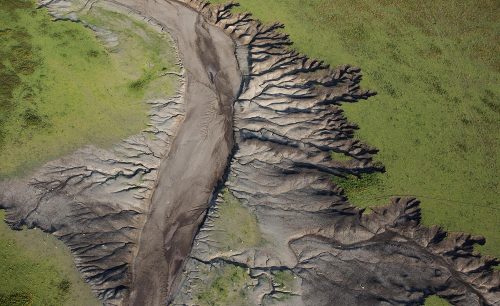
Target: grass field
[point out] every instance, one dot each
(38, 270)
(60, 88)
(236, 227)
(436, 301)
(435, 65)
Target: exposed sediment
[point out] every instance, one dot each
(130, 215)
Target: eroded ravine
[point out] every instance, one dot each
(199, 153)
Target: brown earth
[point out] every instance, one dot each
(198, 156)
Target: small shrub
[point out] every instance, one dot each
(93, 53)
(64, 286)
(32, 118)
(143, 81)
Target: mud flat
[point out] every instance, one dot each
(130, 215)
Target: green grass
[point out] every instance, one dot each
(284, 280)
(225, 286)
(62, 89)
(354, 186)
(37, 270)
(236, 227)
(339, 156)
(150, 52)
(436, 301)
(435, 65)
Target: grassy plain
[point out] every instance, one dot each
(38, 270)
(435, 65)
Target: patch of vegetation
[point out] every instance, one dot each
(435, 65)
(37, 269)
(354, 187)
(285, 283)
(227, 285)
(285, 280)
(435, 300)
(64, 286)
(61, 88)
(236, 227)
(339, 156)
(16, 299)
(139, 43)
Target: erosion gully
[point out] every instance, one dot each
(199, 154)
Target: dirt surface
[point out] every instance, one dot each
(199, 153)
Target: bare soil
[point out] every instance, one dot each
(199, 153)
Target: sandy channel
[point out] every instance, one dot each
(198, 156)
